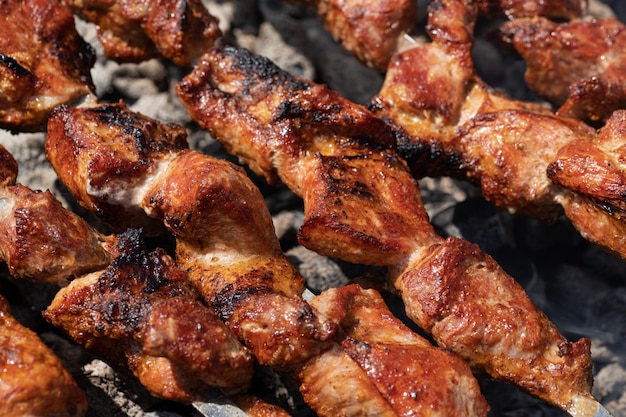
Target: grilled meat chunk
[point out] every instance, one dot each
(141, 313)
(42, 241)
(554, 9)
(415, 377)
(316, 143)
(584, 78)
(225, 235)
(43, 63)
(34, 380)
(458, 126)
(370, 30)
(134, 31)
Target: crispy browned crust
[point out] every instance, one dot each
(456, 125)
(42, 241)
(594, 170)
(134, 31)
(256, 407)
(225, 235)
(34, 380)
(121, 165)
(43, 63)
(411, 374)
(263, 114)
(142, 311)
(371, 29)
(583, 77)
(8, 168)
(554, 9)
(325, 148)
(517, 343)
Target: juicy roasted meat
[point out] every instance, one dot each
(136, 30)
(117, 172)
(42, 241)
(584, 77)
(34, 381)
(337, 155)
(458, 126)
(412, 375)
(371, 29)
(141, 313)
(43, 62)
(554, 9)
(256, 407)
(310, 138)
(596, 171)
(225, 241)
(225, 235)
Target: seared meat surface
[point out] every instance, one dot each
(226, 243)
(412, 375)
(370, 30)
(134, 31)
(43, 63)
(457, 125)
(42, 241)
(315, 142)
(225, 235)
(554, 9)
(142, 314)
(33, 379)
(584, 78)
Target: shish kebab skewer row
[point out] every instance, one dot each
(527, 159)
(362, 205)
(43, 113)
(129, 169)
(134, 308)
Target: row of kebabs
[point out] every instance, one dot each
(361, 204)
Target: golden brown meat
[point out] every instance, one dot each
(42, 241)
(141, 313)
(596, 171)
(554, 9)
(370, 30)
(227, 244)
(225, 235)
(34, 381)
(43, 63)
(412, 375)
(458, 126)
(339, 156)
(585, 76)
(256, 407)
(136, 30)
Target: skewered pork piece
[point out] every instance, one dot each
(42, 241)
(226, 241)
(397, 359)
(34, 381)
(136, 30)
(370, 30)
(459, 126)
(554, 9)
(225, 235)
(43, 63)
(140, 313)
(363, 205)
(577, 65)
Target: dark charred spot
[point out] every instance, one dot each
(14, 66)
(250, 63)
(230, 298)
